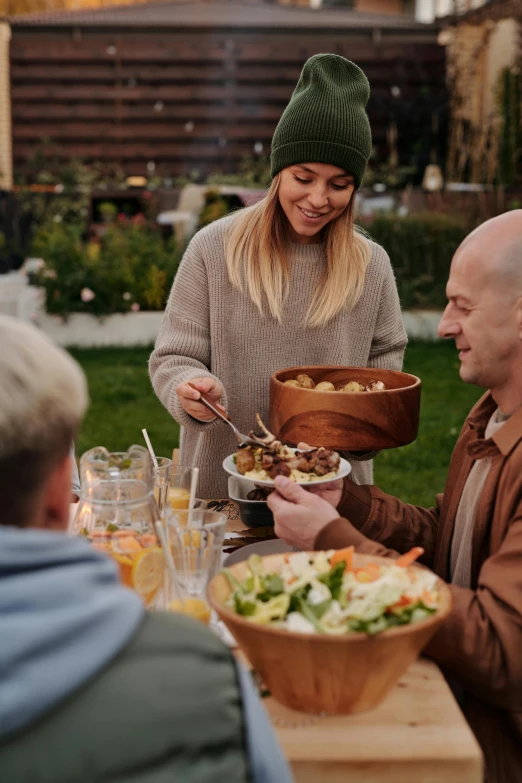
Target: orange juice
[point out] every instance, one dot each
(139, 557)
(194, 607)
(178, 498)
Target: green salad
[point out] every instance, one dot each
(324, 593)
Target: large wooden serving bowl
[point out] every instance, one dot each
(318, 673)
(343, 421)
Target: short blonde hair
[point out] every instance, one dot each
(43, 397)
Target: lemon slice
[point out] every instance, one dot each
(147, 571)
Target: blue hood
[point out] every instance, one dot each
(63, 616)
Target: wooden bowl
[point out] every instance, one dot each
(318, 673)
(344, 421)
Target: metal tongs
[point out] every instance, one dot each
(244, 440)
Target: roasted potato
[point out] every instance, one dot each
(245, 461)
(292, 383)
(376, 386)
(325, 386)
(353, 387)
(305, 381)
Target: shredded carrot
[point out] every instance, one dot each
(409, 557)
(428, 598)
(397, 608)
(345, 554)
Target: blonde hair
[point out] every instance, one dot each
(256, 252)
(43, 396)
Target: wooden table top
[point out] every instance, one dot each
(417, 735)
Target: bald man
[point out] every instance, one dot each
(473, 536)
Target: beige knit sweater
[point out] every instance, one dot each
(209, 328)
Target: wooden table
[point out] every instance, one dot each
(417, 735)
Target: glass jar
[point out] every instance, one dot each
(117, 513)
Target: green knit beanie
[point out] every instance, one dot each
(326, 120)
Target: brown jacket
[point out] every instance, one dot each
(480, 644)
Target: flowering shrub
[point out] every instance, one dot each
(130, 267)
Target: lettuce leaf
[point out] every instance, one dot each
(334, 578)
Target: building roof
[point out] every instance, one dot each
(220, 14)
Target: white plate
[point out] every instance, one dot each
(344, 470)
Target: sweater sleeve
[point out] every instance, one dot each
(182, 351)
(389, 337)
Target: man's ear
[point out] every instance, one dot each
(56, 497)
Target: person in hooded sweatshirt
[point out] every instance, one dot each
(92, 687)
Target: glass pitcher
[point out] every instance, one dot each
(117, 512)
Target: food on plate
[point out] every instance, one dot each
(259, 493)
(303, 381)
(324, 593)
(273, 459)
(245, 461)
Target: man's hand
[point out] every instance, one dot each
(299, 515)
(331, 492)
(189, 397)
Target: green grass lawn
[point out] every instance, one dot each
(122, 402)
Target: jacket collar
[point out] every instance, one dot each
(504, 439)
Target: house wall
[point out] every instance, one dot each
(479, 47)
(395, 7)
(428, 10)
(194, 99)
(6, 171)
(503, 51)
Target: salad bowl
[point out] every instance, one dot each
(321, 673)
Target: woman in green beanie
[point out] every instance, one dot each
(289, 281)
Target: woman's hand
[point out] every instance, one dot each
(299, 516)
(189, 397)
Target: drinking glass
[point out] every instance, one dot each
(162, 475)
(171, 514)
(179, 490)
(195, 539)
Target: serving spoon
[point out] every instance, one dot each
(244, 440)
